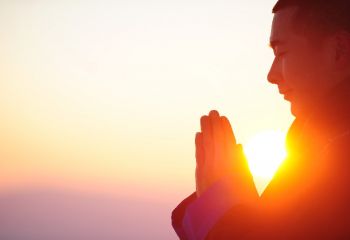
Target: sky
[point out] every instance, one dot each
(102, 99)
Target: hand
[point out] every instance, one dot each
(217, 153)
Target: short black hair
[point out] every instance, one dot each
(325, 16)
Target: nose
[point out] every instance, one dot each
(274, 76)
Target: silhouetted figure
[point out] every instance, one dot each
(309, 196)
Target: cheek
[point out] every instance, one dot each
(292, 70)
(299, 72)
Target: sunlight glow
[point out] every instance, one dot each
(265, 152)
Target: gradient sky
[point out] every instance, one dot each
(106, 96)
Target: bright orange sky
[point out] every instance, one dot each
(107, 96)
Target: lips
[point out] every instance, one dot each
(287, 93)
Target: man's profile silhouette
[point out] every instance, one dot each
(309, 196)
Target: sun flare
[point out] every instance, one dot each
(265, 152)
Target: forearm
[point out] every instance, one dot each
(196, 216)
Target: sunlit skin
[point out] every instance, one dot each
(218, 155)
(304, 67)
(303, 70)
(215, 146)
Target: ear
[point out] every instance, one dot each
(342, 50)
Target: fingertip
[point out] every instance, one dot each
(225, 121)
(224, 118)
(204, 121)
(214, 113)
(203, 118)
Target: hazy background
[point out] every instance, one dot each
(100, 102)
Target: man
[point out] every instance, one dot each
(309, 196)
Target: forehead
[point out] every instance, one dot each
(282, 25)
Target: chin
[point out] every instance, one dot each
(295, 110)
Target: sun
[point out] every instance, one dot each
(265, 152)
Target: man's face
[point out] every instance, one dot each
(301, 69)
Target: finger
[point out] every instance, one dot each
(241, 162)
(199, 149)
(228, 133)
(218, 135)
(214, 113)
(206, 125)
(207, 141)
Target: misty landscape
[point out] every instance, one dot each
(58, 215)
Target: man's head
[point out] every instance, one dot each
(311, 42)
